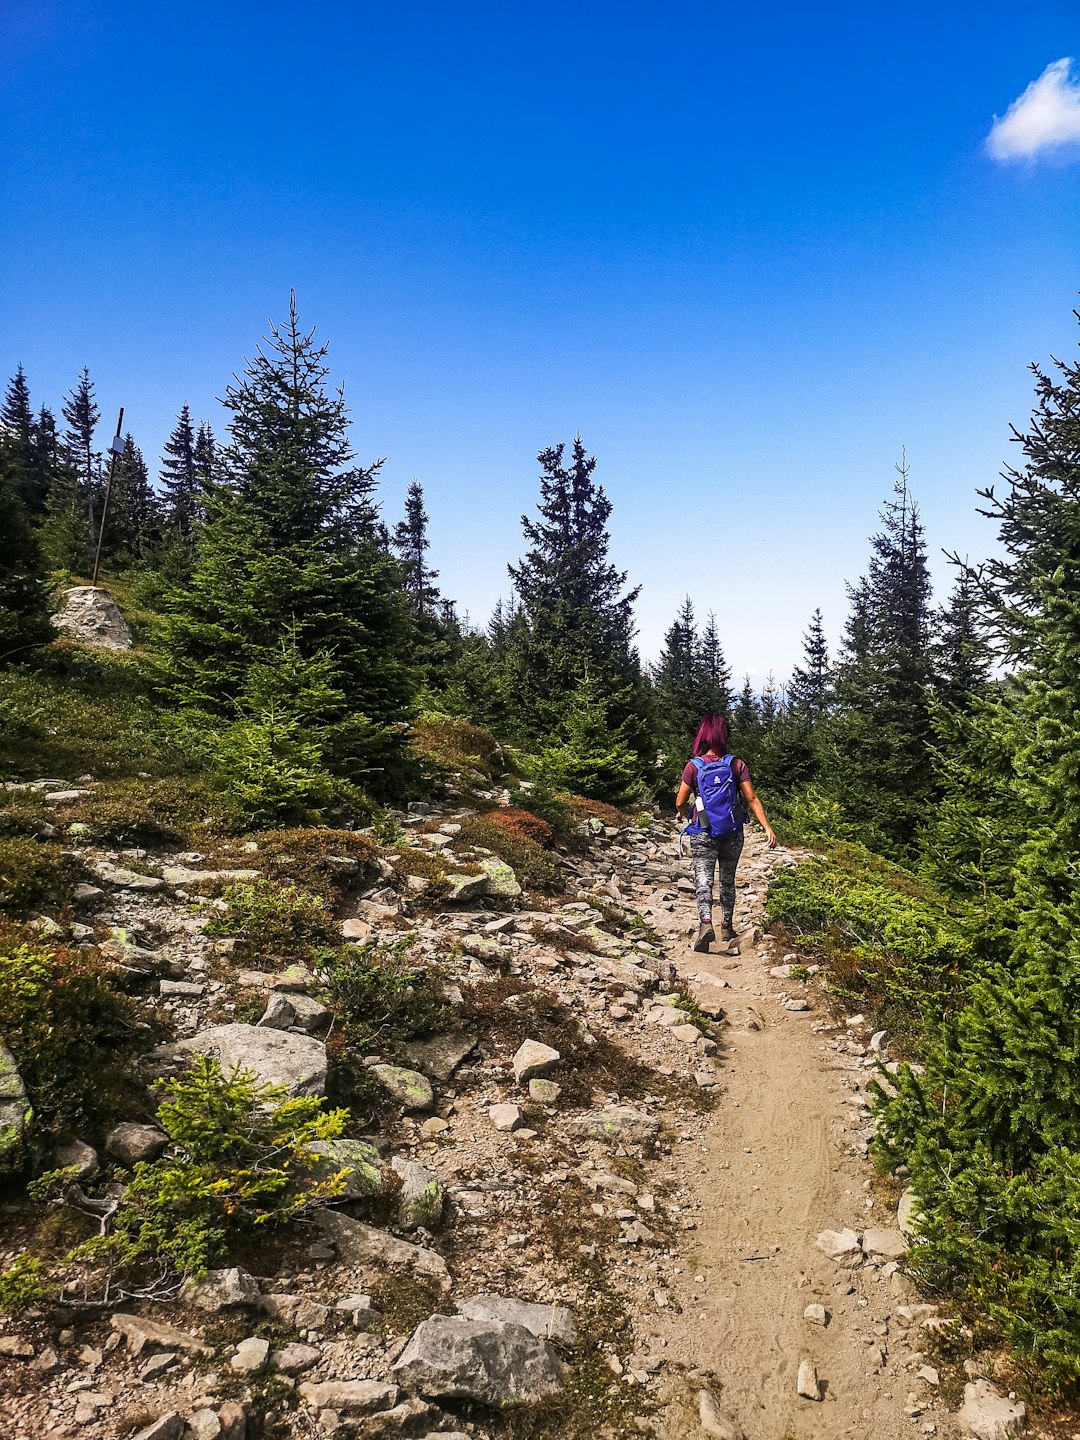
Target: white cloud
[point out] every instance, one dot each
(1045, 117)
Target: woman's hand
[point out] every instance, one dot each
(770, 836)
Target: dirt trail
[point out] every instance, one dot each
(777, 1164)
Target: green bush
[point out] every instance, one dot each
(306, 858)
(383, 1000)
(174, 811)
(277, 918)
(890, 941)
(241, 1160)
(531, 863)
(71, 1032)
(452, 744)
(31, 874)
(23, 1284)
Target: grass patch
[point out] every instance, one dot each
(31, 874)
(275, 918)
(174, 811)
(532, 864)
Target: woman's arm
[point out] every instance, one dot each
(680, 800)
(754, 805)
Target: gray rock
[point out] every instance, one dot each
(15, 1113)
(363, 1313)
(360, 1244)
(131, 1143)
(224, 1290)
(440, 1056)
(409, 1088)
(166, 1427)
(493, 1362)
(988, 1414)
(296, 1312)
(502, 883)
(277, 1057)
(286, 1012)
(816, 1314)
(184, 875)
(294, 1359)
(141, 1333)
(908, 1215)
(547, 1322)
(351, 1397)
(807, 1383)
(466, 887)
(361, 1162)
(421, 1202)
(544, 1092)
(533, 1059)
(714, 1423)
(250, 1355)
(884, 1245)
(66, 797)
(93, 617)
(121, 879)
(506, 1117)
(617, 1124)
(843, 1246)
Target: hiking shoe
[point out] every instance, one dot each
(727, 933)
(705, 935)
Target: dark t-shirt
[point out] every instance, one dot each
(739, 772)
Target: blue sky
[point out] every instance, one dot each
(749, 251)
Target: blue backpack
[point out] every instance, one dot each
(718, 809)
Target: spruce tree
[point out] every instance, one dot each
(131, 517)
(205, 458)
(410, 540)
(714, 674)
(962, 651)
(575, 616)
(27, 475)
(179, 477)
(80, 410)
(811, 681)
(24, 608)
(288, 555)
(879, 737)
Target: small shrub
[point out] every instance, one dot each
(428, 866)
(381, 999)
(31, 874)
(582, 808)
(305, 858)
(522, 825)
(453, 744)
(277, 918)
(240, 1161)
(71, 1032)
(23, 1284)
(176, 811)
(533, 866)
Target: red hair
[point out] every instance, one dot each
(712, 735)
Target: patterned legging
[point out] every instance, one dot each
(708, 851)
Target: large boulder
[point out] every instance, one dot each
(277, 1057)
(93, 616)
(15, 1112)
(491, 1361)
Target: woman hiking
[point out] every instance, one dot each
(718, 782)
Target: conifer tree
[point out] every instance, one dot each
(131, 517)
(18, 438)
(24, 609)
(410, 540)
(879, 736)
(64, 534)
(80, 410)
(962, 651)
(575, 617)
(205, 458)
(288, 556)
(808, 692)
(181, 482)
(713, 670)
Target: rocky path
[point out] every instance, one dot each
(777, 1163)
